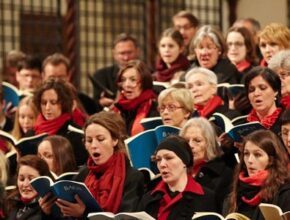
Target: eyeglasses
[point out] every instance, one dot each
(170, 108)
(284, 74)
(235, 44)
(208, 48)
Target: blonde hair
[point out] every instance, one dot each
(3, 169)
(276, 33)
(28, 100)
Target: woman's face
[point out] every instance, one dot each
(25, 174)
(170, 166)
(261, 96)
(45, 152)
(207, 53)
(237, 49)
(50, 105)
(99, 143)
(285, 130)
(172, 113)
(269, 49)
(285, 81)
(169, 50)
(202, 91)
(131, 83)
(197, 142)
(26, 118)
(256, 159)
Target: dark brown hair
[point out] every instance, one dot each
(56, 59)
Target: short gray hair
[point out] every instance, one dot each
(210, 75)
(213, 150)
(280, 60)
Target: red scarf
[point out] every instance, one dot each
(79, 117)
(256, 180)
(165, 74)
(263, 63)
(143, 105)
(267, 121)
(108, 188)
(167, 202)
(50, 127)
(241, 66)
(209, 107)
(285, 101)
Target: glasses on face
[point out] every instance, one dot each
(170, 108)
(133, 82)
(284, 74)
(33, 76)
(208, 47)
(235, 44)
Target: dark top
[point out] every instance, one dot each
(106, 76)
(89, 104)
(184, 208)
(216, 176)
(133, 187)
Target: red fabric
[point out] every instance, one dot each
(197, 167)
(27, 201)
(167, 202)
(267, 121)
(143, 105)
(241, 66)
(209, 107)
(263, 63)
(3, 146)
(165, 74)
(108, 188)
(256, 180)
(79, 117)
(285, 102)
(52, 126)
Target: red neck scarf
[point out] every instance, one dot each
(256, 180)
(79, 117)
(263, 63)
(167, 202)
(165, 74)
(241, 66)
(267, 121)
(106, 181)
(209, 107)
(143, 105)
(285, 101)
(50, 126)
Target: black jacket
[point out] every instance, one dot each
(216, 176)
(184, 209)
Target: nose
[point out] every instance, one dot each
(162, 163)
(26, 182)
(250, 158)
(288, 138)
(268, 48)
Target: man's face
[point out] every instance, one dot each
(28, 79)
(125, 51)
(185, 28)
(55, 71)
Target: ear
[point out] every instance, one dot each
(115, 142)
(17, 76)
(181, 49)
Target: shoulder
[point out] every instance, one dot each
(107, 70)
(132, 174)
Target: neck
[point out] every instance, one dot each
(180, 184)
(263, 114)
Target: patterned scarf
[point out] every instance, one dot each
(106, 181)
(267, 121)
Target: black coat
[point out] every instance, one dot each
(133, 187)
(184, 208)
(216, 176)
(281, 199)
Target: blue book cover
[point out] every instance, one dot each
(142, 146)
(66, 190)
(151, 123)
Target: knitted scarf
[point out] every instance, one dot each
(249, 187)
(207, 109)
(50, 126)
(106, 181)
(267, 121)
(142, 104)
(165, 74)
